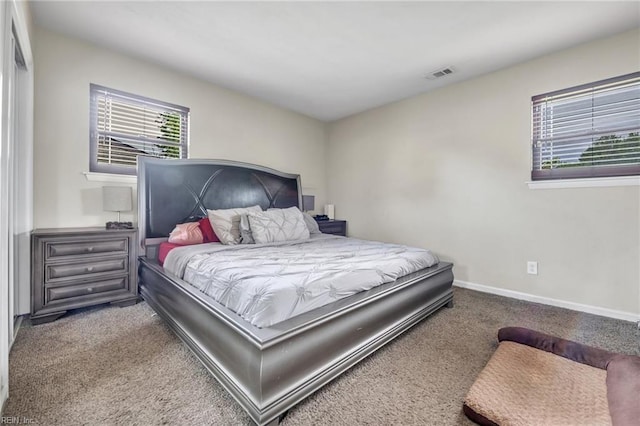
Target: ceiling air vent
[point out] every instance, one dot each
(439, 73)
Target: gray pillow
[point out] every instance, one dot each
(226, 223)
(246, 236)
(311, 223)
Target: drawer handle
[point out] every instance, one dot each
(90, 268)
(89, 249)
(89, 289)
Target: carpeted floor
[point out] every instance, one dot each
(110, 365)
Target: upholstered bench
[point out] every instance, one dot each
(537, 379)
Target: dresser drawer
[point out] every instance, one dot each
(86, 289)
(59, 250)
(56, 272)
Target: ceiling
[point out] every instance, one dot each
(329, 60)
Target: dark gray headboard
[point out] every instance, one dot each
(176, 191)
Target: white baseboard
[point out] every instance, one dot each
(611, 313)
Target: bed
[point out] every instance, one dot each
(266, 369)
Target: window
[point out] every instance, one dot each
(124, 126)
(586, 131)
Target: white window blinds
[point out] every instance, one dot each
(591, 130)
(124, 126)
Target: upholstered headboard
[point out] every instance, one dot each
(176, 191)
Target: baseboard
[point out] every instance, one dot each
(611, 313)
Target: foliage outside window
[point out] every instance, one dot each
(124, 126)
(586, 131)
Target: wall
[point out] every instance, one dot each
(447, 170)
(224, 124)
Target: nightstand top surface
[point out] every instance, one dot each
(79, 230)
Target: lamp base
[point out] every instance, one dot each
(119, 225)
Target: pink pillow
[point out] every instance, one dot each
(207, 231)
(186, 233)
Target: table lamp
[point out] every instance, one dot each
(308, 202)
(117, 199)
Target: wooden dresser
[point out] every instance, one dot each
(78, 267)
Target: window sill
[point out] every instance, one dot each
(585, 183)
(110, 177)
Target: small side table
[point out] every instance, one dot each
(335, 227)
(78, 267)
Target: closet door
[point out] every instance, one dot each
(21, 185)
(6, 295)
(16, 133)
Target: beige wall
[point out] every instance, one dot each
(224, 124)
(447, 170)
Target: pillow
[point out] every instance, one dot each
(207, 231)
(226, 223)
(186, 233)
(246, 236)
(278, 225)
(163, 250)
(311, 223)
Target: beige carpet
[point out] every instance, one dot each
(107, 366)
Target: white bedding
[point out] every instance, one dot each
(269, 283)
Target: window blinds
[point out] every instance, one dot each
(588, 131)
(124, 126)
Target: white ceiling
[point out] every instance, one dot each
(329, 60)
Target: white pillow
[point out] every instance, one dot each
(278, 225)
(226, 223)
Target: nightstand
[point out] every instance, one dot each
(335, 227)
(78, 267)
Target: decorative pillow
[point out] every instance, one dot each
(246, 236)
(278, 225)
(207, 231)
(311, 223)
(186, 233)
(226, 223)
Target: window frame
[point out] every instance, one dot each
(580, 172)
(95, 91)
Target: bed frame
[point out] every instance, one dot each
(267, 370)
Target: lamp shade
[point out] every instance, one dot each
(308, 202)
(116, 198)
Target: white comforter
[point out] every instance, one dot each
(269, 283)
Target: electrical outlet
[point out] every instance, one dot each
(532, 267)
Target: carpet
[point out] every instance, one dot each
(110, 365)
